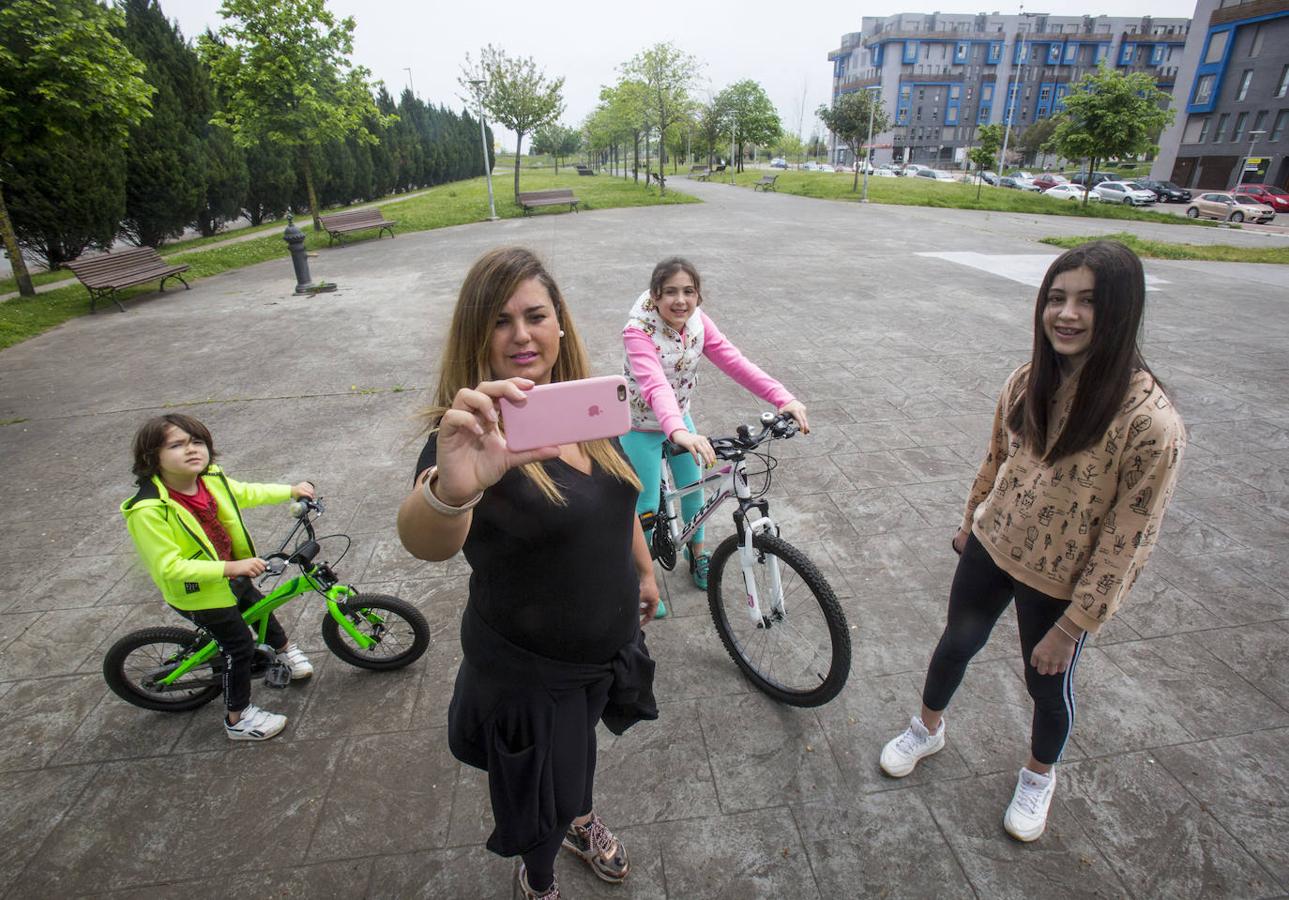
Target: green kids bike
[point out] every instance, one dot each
(178, 669)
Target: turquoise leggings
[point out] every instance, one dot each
(644, 449)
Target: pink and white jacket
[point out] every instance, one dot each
(661, 366)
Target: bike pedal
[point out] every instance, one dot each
(278, 675)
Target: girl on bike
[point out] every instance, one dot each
(186, 523)
(562, 580)
(1063, 512)
(665, 337)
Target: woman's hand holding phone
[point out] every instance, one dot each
(472, 453)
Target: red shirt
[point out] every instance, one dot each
(206, 510)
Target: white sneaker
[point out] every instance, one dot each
(296, 661)
(255, 725)
(901, 755)
(1027, 815)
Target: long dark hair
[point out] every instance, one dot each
(669, 267)
(1118, 305)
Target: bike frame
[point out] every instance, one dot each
(731, 481)
(257, 617)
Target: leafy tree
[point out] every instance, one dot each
(558, 140)
(750, 115)
(66, 195)
(667, 74)
(989, 138)
(848, 118)
(62, 71)
(284, 71)
(515, 91)
(1033, 138)
(788, 145)
(226, 178)
(165, 186)
(1110, 114)
(270, 181)
(712, 125)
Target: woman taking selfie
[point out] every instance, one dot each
(1063, 513)
(561, 580)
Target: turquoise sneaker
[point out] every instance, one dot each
(698, 568)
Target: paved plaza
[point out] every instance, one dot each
(897, 326)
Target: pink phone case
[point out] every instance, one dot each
(568, 412)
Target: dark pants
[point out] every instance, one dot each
(236, 641)
(980, 593)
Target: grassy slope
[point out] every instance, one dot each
(1164, 250)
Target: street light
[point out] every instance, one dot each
(411, 87)
(483, 139)
(872, 104)
(1008, 114)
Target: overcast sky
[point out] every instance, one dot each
(784, 45)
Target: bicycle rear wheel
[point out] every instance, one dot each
(398, 628)
(799, 653)
(135, 665)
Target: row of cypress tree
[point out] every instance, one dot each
(178, 171)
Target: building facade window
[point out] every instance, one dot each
(1278, 129)
(1243, 90)
(1237, 133)
(1255, 46)
(1204, 89)
(1259, 120)
(1221, 127)
(1283, 86)
(1216, 46)
(1203, 131)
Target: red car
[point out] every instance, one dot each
(1050, 180)
(1275, 197)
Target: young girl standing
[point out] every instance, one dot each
(665, 337)
(186, 523)
(1063, 512)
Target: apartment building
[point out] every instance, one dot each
(1231, 98)
(941, 77)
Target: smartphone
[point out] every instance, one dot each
(567, 412)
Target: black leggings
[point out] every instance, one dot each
(980, 593)
(235, 640)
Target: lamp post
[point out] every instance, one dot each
(411, 87)
(1239, 173)
(1008, 114)
(483, 139)
(872, 105)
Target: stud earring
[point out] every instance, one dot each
(561, 332)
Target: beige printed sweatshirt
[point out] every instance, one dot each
(1081, 528)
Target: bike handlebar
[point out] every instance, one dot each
(774, 426)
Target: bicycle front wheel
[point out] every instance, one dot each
(135, 665)
(400, 632)
(799, 651)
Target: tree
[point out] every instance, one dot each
(989, 138)
(1110, 114)
(712, 125)
(63, 71)
(283, 69)
(1033, 138)
(226, 178)
(849, 117)
(667, 74)
(558, 140)
(750, 115)
(515, 91)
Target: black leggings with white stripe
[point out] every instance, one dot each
(980, 593)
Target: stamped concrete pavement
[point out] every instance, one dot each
(1176, 780)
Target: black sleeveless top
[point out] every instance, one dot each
(559, 581)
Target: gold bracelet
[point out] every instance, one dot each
(438, 505)
(1066, 633)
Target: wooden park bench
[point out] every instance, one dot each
(585, 170)
(659, 177)
(342, 223)
(531, 200)
(702, 173)
(103, 275)
(719, 169)
(766, 183)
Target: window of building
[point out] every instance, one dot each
(1278, 129)
(1259, 120)
(1243, 89)
(921, 93)
(1216, 46)
(1255, 46)
(1204, 89)
(1283, 86)
(1221, 128)
(1203, 132)
(1237, 133)
(1045, 94)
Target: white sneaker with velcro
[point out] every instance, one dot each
(296, 661)
(255, 725)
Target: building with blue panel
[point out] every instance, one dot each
(1231, 99)
(942, 76)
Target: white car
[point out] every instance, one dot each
(935, 175)
(826, 168)
(1070, 192)
(1125, 192)
(811, 166)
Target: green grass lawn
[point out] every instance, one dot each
(458, 203)
(1164, 250)
(909, 191)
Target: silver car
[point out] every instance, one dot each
(1125, 192)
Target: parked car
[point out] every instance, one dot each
(826, 168)
(1125, 192)
(935, 175)
(811, 166)
(1020, 175)
(1070, 192)
(778, 163)
(1050, 180)
(889, 168)
(1275, 197)
(914, 168)
(1018, 184)
(989, 177)
(1165, 191)
(1240, 208)
(1093, 180)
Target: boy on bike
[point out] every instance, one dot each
(186, 523)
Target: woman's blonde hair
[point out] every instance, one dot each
(488, 286)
